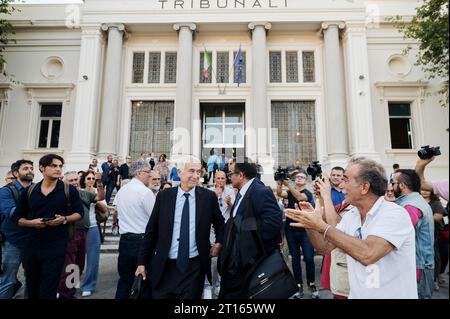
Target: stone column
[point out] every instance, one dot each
(182, 138)
(111, 90)
(359, 106)
(258, 137)
(87, 99)
(336, 115)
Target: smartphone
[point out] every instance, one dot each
(47, 219)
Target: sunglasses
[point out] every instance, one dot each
(300, 177)
(90, 178)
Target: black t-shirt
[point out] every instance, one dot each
(124, 171)
(40, 206)
(292, 200)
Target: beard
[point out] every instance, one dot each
(397, 193)
(26, 178)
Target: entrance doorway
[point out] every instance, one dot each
(223, 130)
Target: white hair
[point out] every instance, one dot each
(182, 161)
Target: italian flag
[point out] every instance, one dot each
(206, 64)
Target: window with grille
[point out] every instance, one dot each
(243, 67)
(294, 134)
(151, 124)
(170, 72)
(400, 125)
(154, 67)
(308, 67)
(223, 67)
(138, 67)
(275, 66)
(291, 66)
(203, 78)
(49, 125)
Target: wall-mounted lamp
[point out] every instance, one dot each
(361, 77)
(85, 77)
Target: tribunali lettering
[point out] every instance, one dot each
(222, 4)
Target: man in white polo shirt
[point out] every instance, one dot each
(377, 236)
(134, 203)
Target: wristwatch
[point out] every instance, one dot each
(65, 220)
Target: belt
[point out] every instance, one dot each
(190, 259)
(132, 236)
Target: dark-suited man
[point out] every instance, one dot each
(255, 207)
(176, 244)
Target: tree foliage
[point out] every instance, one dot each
(6, 31)
(430, 27)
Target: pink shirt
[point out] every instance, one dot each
(440, 188)
(415, 214)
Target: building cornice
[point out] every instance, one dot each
(33, 86)
(421, 84)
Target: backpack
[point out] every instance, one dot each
(71, 225)
(14, 191)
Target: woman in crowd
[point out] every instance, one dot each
(93, 241)
(162, 167)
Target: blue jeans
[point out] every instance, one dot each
(12, 257)
(425, 286)
(296, 238)
(93, 257)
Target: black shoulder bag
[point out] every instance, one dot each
(270, 277)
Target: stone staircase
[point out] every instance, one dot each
(111, 243)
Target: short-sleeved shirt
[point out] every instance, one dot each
(134, 203)
(394, 275)
(124, 171)
(87, 198)
(337, 197)
(40, 206)
(440, 188)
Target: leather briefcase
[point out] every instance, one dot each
(271, 279)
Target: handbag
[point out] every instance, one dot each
(101, 216)
(141, 288)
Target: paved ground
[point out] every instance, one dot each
(106, 286)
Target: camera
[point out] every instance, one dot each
(314, 169)
(427, 152)
(282, 174)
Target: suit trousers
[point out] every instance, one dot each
(43, 269)
(177, 285)
(127, 263)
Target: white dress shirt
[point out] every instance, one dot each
(193, 251)
(242, 191)
(394, 275)
(134, 203)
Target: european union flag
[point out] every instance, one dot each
(238, 67)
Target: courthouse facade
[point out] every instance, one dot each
(277, 80)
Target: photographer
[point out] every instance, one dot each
(440, 188)
(297, 237)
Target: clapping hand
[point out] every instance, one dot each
(306, 216)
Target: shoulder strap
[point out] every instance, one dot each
(30, 190)
(14, 191)
(67, 193)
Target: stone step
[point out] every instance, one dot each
(109, 249)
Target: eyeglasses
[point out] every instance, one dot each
(358, 233)
(90, 178)
(300, 177)
(11, 177)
